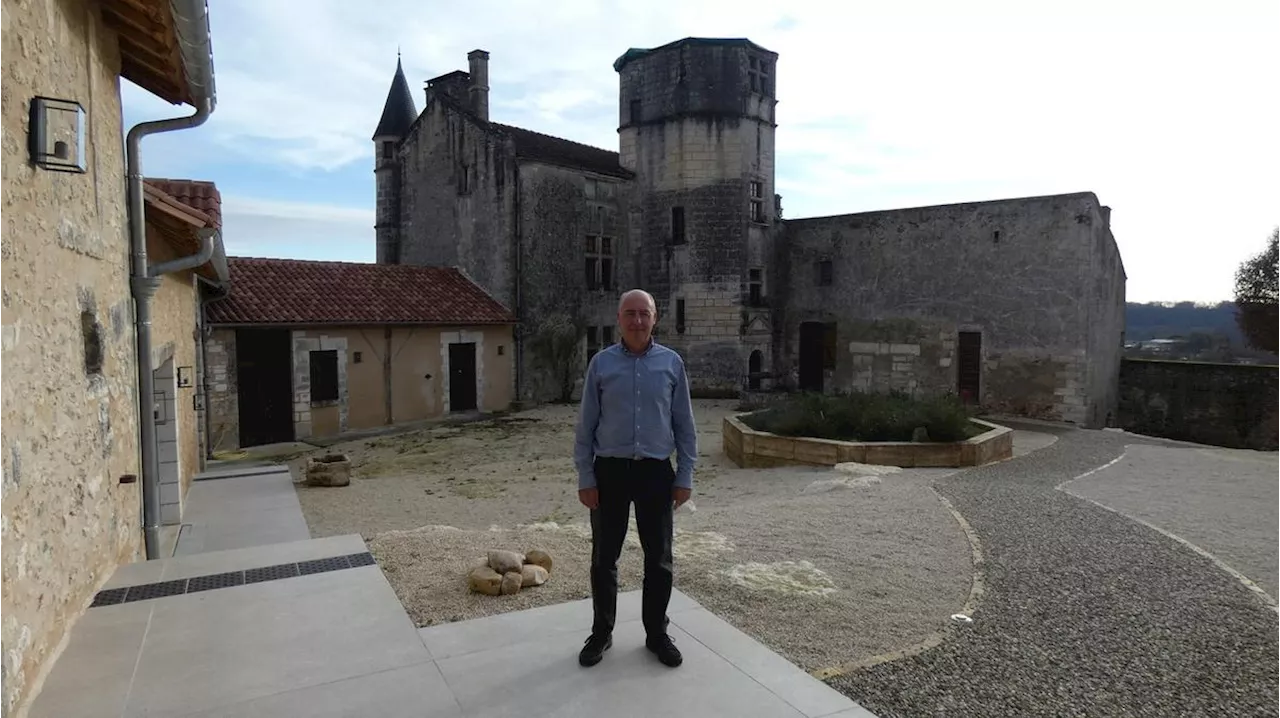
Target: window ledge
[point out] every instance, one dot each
(322, 404)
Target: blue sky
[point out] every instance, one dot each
(1167, 112)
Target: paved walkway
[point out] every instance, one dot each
(312, 628)
(1085, 611)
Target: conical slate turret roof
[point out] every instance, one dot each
(399, 112)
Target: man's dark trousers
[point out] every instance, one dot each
(648, 484)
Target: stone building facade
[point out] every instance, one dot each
(71, 404)
(1014, 304)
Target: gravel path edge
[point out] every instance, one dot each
(976, 590)
(1267, 599)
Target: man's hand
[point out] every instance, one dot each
(589, 497)
(679, 496)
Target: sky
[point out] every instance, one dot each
(1165, 110)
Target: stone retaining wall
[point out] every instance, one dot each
(753, 449)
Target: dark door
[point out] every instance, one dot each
(264, 377)
(812, 348)
(462, 377)
(969, 367)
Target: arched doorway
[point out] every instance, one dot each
(755, 364)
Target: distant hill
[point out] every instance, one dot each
(1183, 319)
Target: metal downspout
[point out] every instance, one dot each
(144, 282)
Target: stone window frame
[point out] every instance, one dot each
(758, 75)
(600, 265)
(303, 345)
(755, 199)
(755, 287)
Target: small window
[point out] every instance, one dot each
(680, 316)
(593, 344)
(826, 273)
(388, 150)
(91, 332)
(757, 201)
(677, 225)
(606, 274)
(829, 345)
(502, 349)
(324, 375)
(589, 244)
(357, 357)
(635, 111)
(589, 270)
(755, 288)
(606, 245)
(464, 178)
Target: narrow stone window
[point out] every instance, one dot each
(593, 342)
(92, 334)
(826, 273)
(757, 201)
(680, 316)
(755, 288)
(677, 225)
(635, 112)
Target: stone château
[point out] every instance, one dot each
(1017, 304)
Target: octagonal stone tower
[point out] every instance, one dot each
(696, 125)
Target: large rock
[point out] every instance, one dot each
(329, 470)
(511, 582)
(532, 575)
(485, 580)
(505, 561)
(538, 557)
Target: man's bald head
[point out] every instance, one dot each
(633, 296)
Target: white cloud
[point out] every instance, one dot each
(1163, 109)
(261, 228)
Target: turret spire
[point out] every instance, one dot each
(399, 112)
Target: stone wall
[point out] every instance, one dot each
(457, 199)
(222, 393)
(70, 410)
(305, 342)
(556, 218)
(173, 335)
(1039, 278)
(1230, 405)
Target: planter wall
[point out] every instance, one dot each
(751, 449)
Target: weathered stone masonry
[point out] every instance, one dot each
(695, 220)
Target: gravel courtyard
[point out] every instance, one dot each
(1085, 611)
(823, 573)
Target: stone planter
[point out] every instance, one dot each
(751, 449)
(330, 470)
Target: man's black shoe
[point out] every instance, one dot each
(594, 650)
(665, 649)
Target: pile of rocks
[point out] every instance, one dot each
(506, 572)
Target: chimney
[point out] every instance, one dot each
(479, 62)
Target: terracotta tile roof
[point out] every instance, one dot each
(305, 292)
(557, 151)
(197, 194)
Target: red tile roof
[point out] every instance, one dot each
(197, 194)
(303, 292)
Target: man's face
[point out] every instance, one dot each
(636, 318)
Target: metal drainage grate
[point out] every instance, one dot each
(217, 580)
(113, 596)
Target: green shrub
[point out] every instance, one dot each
(867, 417)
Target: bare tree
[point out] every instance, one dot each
(1257, 297)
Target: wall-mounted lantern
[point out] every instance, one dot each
(57, 134)
(184, 377)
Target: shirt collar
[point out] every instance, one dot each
(628, 352)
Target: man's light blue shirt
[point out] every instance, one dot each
(636, 406)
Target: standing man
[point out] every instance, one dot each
(635, 413)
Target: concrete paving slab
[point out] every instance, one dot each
(242, 511)
(216, 648)
(543, 678)
(508, 629)
(93, 675)
(398, 693)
